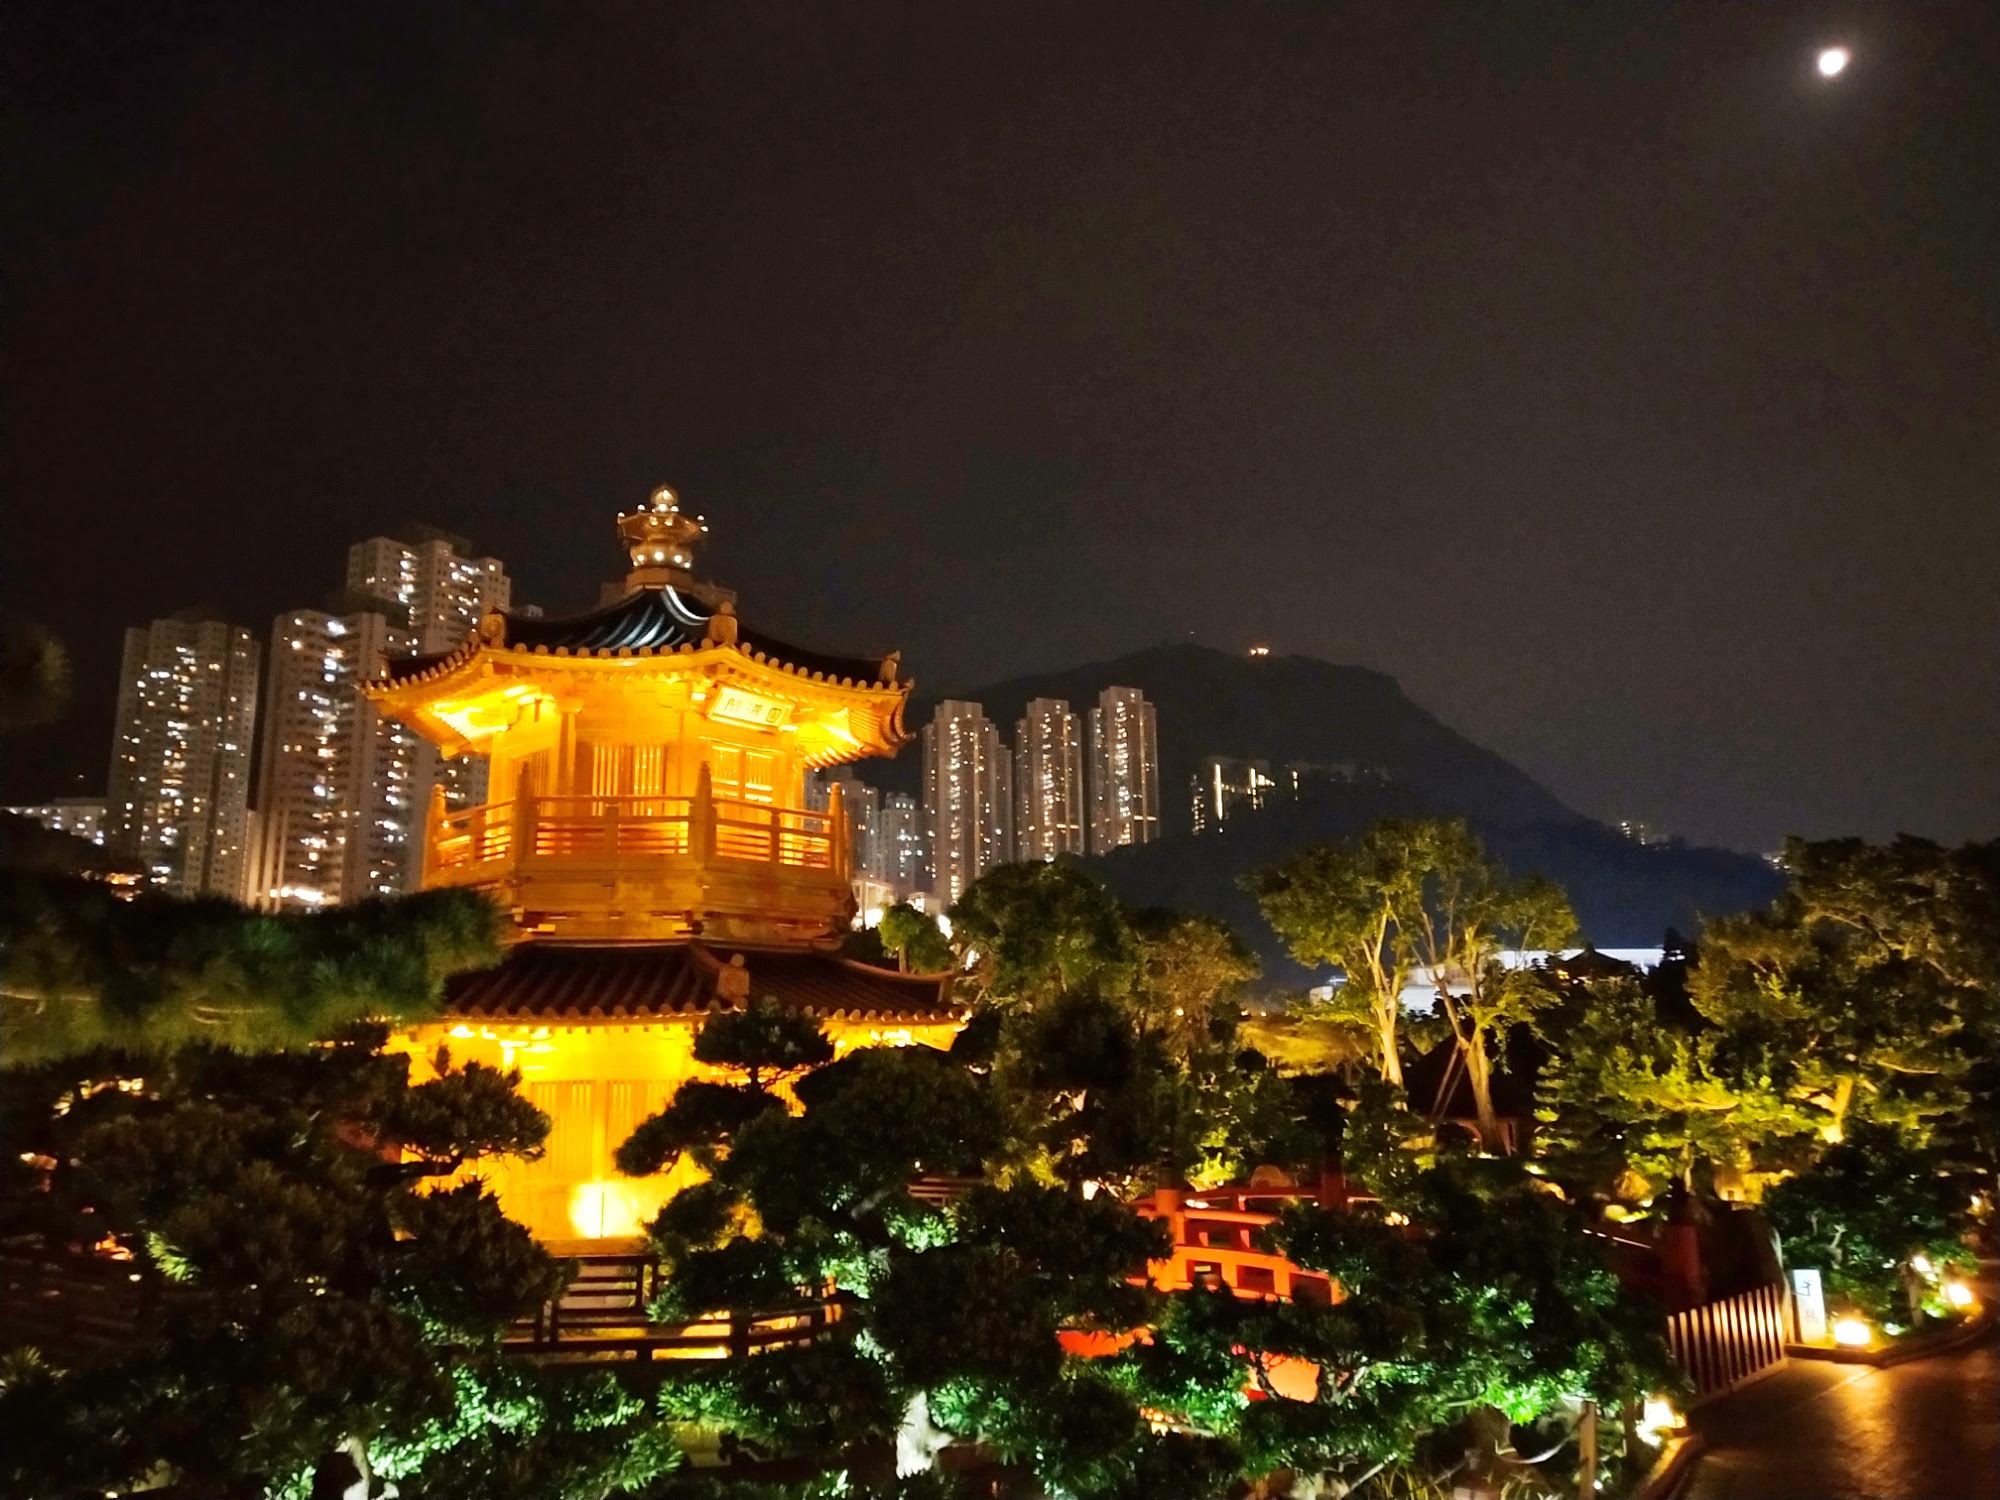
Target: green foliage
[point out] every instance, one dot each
(1863, 1211)
(1040, 929)
(915, 940)
(1347, 906)
(308, 1294)
(815, 1398)
(465, 1113)
(1870, 987)
(765, 1040)
(516, 1429)
(1629, 1104)
(700, 1119)
(82, 969)
(1188, 972)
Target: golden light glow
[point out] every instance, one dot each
(1660, 1416)
(601, 1210)
(1852, 1333)
(1958, 1294)
(737, 705)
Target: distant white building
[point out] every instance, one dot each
(178, 803)
(968, 797)
(1421, 992)
(433, 582)
(1124, 771)
(442, 590)
(343, 792)
(1050, 817)
(79, 817)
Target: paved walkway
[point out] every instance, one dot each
(1927, 1430)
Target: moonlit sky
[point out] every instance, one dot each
(1623, 386)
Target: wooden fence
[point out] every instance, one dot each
(1722, 1344)
(81, 1308)
(602, 1314)
(75, 1308)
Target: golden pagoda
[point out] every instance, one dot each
(648, 837)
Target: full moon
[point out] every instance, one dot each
(1833, 61)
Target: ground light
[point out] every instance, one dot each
(1853, 1333)
(1958, 1294)
(1659, 1415)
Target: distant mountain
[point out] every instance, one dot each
(1297, 708)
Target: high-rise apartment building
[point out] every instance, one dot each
(968, 797)
(1049, 812)
(900, 843)
(1228, 784)
(1124, 771)
(862, 804)
(442, 592)
(344, 792)
(178, 803)
(432, 576)
(79, 817)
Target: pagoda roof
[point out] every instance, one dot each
(647, 620)
(650, 981)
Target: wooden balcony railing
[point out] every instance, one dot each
(704, 828)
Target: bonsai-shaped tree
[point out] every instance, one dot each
(319, 1308)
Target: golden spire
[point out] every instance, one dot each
(660, 537)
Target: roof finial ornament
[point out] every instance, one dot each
(661, 538)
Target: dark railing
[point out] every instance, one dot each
(80, 1308)
(1722, 1344)
(603, 1311)
(74, 1307)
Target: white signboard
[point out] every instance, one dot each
(1809, 1305)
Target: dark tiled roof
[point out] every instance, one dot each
(650, 620)
(562, 981)
(660, 618)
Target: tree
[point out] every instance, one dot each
(768, 1042)
(1036, 930)
(318, 1307)
(1469, 911)
(1187, 971)
(961, 1308)
(1629, 1104)
(81, 969)
(1865, 1211)
(34, 674)
(1348, 905)
(913, 937)
(1870, 987)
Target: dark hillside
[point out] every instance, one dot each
(1296, 708)
(1277, 708)
(1626, 895)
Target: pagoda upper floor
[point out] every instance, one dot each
(648, 759)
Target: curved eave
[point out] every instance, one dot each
(408, 694)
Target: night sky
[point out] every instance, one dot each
(1628, 391)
